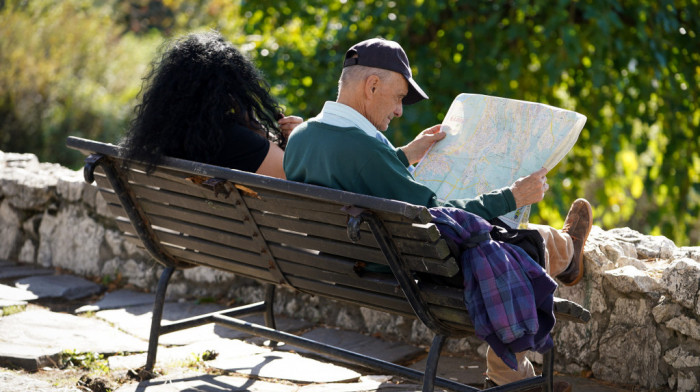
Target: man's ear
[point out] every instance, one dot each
(371, 86)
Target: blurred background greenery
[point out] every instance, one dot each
(74, 67)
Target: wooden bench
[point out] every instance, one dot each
(309, 238)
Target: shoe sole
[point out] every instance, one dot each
(580, 259)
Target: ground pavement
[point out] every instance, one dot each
(49, 318)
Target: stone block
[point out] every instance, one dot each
(70, 184)
(10, 230)
(680, 358)
(68, 287)
(71, 240)
(686, 326)
(629, 279)
(681, 279)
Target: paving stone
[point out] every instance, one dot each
(68, 287)
(41, 333)
(582, 384)
(7, 263)
(285, 366)
(366, 383)
(15, 271)
(136, 320)
(16, 382)
(14, 294)
(467, 370)
(205, 383)
(119, 299)
(29, 358)
(394, 352)
(168, 356)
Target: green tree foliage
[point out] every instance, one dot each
(65, 69)
(630, 67)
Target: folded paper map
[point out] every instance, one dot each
(493, 141)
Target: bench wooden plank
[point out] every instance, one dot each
(245, 251)
(181, 185)
(437, 249)
(242, 269)
(446, 267)
(177, 182)
(395, 305)
(172, 168)
(442, 267)
(377, 283)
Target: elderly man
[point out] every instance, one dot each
(343, 148)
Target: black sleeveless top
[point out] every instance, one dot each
(241, 149)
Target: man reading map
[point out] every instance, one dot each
(340, 149)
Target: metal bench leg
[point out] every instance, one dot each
(548, 370)
(431, 364)
(269, 314)
(157, 317)
(269, 302)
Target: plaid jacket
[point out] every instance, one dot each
(508, 295)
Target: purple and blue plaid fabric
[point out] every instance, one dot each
(508, 295)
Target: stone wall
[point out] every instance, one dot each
(643, 291)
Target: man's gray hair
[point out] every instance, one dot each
(357, 73)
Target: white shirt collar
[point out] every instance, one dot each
(341, 115)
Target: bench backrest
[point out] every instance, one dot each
(280, 232)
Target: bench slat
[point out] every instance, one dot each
(170, 169)
(250, 271)
(385, 285)
(437, 266)
(395, 305)
(203, 232)
(207, 206)
(361, 253)
(444, 268)
(243, 252)
(437, 249)
(185, 215)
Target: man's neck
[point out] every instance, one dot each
(352, 101)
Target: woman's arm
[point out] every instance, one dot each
(272, 164)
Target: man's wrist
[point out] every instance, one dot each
(403, 157)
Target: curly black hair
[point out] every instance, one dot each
(198, 87)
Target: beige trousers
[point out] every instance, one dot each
(559, 250)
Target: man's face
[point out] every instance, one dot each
(387, 101)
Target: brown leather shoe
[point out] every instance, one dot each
(578, 225)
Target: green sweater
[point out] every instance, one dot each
(351, 160)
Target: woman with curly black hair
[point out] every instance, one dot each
(204, 101)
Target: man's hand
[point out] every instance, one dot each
(416, 149)
(530, 189)
(288, 123)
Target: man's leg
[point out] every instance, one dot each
(564, 248)
(563, 259)
(559, 248)
(499, 373)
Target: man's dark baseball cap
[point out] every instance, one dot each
(385, 54)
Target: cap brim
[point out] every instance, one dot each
(415, 93)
